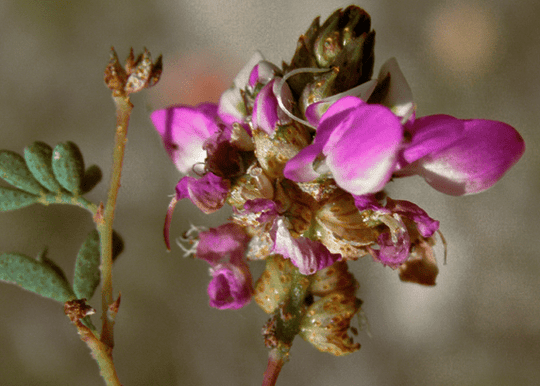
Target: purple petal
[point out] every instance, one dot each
(307, 255)
(361, 150)
(474, 162)
(369, 202)
(231, 286)
(426, 225)
(393, 253)
(315, 111)
(265, 107)
(207, 193)
(184, 130)
(300, 167)
(432, 134)
(262, 73)
(225, 243)
(267, 209)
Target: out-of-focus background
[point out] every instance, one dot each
(480, 325)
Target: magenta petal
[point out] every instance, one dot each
(393, 253)
(207, 193)
(361, 151)
(300, 167)
(426, 225)
(369, 202)
(226, 242)
(476, 161)
(267, 209)
(262, 73)
(184, 130)
(432, 134)
(265, 109)
(230, 287)
(307, 255)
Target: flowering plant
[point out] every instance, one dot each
(302, 154)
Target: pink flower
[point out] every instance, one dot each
(404, 220)
(223, 248)
(356, 143)
(459, 157)
(184, 130)
(307, 255)
(227, 242)
(266, 112)
(230, 287)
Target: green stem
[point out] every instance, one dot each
(287, 323)
(101, 353)
(69, 199)
(105, 224)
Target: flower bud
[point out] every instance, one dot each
(344, 41)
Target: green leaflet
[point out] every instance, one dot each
(13, 169)
(87, 273)
(38, 158)
(92, 177)
(35, 276)
(68, 166)
(87, 276)
(11, 199)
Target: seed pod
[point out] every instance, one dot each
(327, 322)
(274, 285)
(38, 158)
(13, 169)
(68, 166)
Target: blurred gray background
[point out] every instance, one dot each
(476, 59)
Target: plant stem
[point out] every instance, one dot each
(287, 325)
(276, 360)
(105, 224)
(101, 353)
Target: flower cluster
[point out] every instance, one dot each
(302, 153)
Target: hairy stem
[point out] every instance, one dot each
(102, 354)
(287, 321)
(105, 224)
(276, 360)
